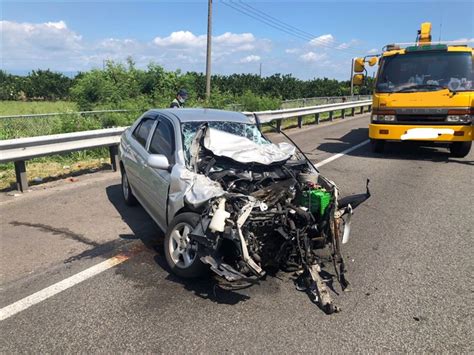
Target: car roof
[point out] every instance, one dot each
(203, 115)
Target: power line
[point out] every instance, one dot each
(308, 36)
(262, 20)
(280, 25)
(286, 25)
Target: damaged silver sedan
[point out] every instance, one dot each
(233, 202)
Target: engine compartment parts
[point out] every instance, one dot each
(316, 200)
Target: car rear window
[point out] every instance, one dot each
(142, 132)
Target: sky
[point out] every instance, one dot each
(318, 39)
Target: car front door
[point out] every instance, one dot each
(158, 180)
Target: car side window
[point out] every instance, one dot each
(142, 131)
(162, 141)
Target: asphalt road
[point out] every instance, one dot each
(409, 258)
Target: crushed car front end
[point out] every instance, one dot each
(262, 208)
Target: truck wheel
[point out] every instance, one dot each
(181, 253)
(378, 145)
(460, 149)
(127, 193)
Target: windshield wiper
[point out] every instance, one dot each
(422, 86)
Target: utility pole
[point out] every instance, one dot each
(208, 57)
(260, 71)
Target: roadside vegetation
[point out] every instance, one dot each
(124, 86)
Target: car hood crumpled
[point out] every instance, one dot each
(244, 150)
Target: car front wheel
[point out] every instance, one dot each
(180, 251)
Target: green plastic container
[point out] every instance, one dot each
(316, 200)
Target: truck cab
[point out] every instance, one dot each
(424, 92)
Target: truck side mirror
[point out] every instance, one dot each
(358, 65)
(373, 61)
(358, 79)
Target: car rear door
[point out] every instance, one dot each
(158, 180)
(138, 156)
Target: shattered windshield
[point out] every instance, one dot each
(429, 71)
(249, 131)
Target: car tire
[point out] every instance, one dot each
(460, 149)
(129, 198)
(378, 145)
(181, 254)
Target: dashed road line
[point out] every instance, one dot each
(40, 296)
(341, 154)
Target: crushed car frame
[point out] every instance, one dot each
(233, 202)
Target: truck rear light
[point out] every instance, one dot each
(459, 133)
(383, 131)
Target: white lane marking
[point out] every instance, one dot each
(35, 298)
(40, 296)
(344, 152)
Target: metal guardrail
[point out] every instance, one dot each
(303, 102)
(35, 115)
(22, 149)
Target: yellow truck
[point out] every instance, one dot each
(423, 92)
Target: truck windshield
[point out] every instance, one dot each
(426, 71)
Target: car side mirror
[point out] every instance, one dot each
(158, 161)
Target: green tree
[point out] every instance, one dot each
(46, 85)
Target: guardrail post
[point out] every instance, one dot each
(21, 178)
(353, 111)
(114, 159)
(361, 110)
(330, 115)
(369, 108)
(316, 117)
(278, 126)
(300, 121)
(343, 113)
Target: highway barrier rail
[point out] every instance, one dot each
(20, 150)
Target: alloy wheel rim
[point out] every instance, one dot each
(182, 251)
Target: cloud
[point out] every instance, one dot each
(312, 57)
(42, 36)
(181, 39)
(292, 50)
(54, 45)
(323, 40)
(463, 40)
(250, 59)
(345, 45)
(373, 51)
(187, 39)
(26, 46)
(229, 38)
